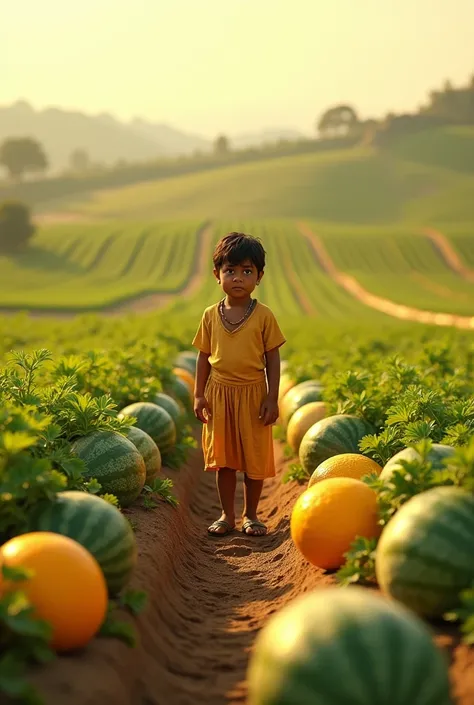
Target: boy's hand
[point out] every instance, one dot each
(269, 411)
(202, 410)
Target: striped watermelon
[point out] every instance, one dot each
(298, 396)
(155, 421)
(171, 406)
(95, 524)
(149, 451)
(187, 360)
(332, 436)
(436, 456)
(115, 462)
(425, 555)
(346, 647)
(178, 389)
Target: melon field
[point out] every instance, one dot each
(362, 592)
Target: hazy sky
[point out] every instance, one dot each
(232, 65)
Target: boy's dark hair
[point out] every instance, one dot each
(235, 248)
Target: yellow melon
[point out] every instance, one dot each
(329, 516)
(345, 465)
(67, 587)
(302, 420)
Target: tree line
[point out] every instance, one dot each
(448, 105)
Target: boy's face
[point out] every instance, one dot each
(238, 280)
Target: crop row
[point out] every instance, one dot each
(92, 266)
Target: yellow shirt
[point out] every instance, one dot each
(238, 357)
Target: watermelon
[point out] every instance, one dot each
(155, 421)
(298, 396)
(436, 456)
(149, 451)
(179, 390)
(115, 462)
(425, 555)
(171, 406)
(332, 436)
(95, 524)
(187, 360)
(346, 647)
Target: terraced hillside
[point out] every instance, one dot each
(92, 266)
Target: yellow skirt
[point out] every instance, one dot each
(234, 436)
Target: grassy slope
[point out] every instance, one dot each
(356, 190)
(427, 178)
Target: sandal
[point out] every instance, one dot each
(253, 524)
(220, 523)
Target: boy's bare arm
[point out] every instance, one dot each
(273, 372)
(269, 411)
(203, 369)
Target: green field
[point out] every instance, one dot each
(399, 264)
(91, 266)
(426, 179)
(369, 207)
(87, 267)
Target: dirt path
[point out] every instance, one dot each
(378, 303)
(208, 599)
(142, 303)
(210, 596)
(449, 254)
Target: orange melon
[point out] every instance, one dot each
(345, 465)
(329, 516)
(67, 587)
(302, 420)
(186, 377)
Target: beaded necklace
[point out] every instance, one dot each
(244, 317)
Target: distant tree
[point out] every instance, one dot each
(79, 160)
(16, 228)
(337, 121)
(20, 155)
(222, 145)
(453, 105)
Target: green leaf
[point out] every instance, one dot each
(135, 601)
(118, 629)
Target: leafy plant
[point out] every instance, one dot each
(24, 641)
(360, 563)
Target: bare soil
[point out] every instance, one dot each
(208, 599)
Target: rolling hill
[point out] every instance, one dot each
(418, 181)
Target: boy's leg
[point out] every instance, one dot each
(252, 492)
(226, 483)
